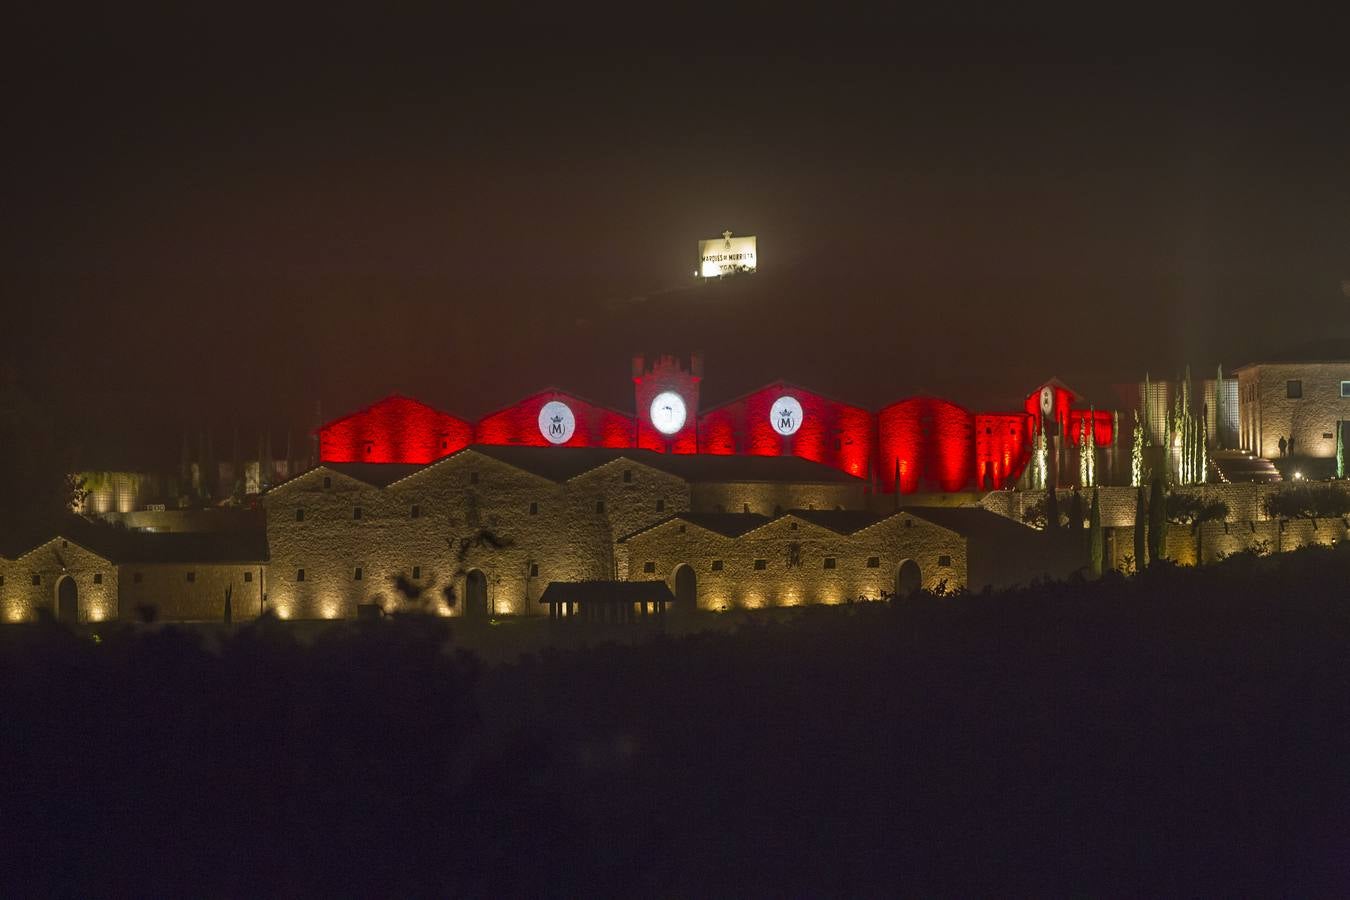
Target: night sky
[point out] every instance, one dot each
(229, 218)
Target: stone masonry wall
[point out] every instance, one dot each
(738, 584)
(32, 580)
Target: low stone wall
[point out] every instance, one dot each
(1246, 502)
(1217, 540)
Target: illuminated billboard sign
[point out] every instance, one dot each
(727, 254)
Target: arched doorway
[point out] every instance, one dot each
(476, 595)
(908, 579)
(67, 600)
(686, 588)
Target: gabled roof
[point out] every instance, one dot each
(396, 396)
(374, 474)
(609, 592)
(971, 522)
(840, 521)
(714, 468)
(729, 525)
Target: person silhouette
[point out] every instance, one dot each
(1283, 445)
(1291, 445)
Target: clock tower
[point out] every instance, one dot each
(665, 389)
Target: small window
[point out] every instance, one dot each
(1345, 388)
(681, 529)
(745, 507)
(356, 512)
(415, 512)
(648, 567)
(473, 478)
(717, 565)
(299, 575)
(1293, 389)
(761, 565)
(829, 562)
(874, 562)
(98, 578)
(909, 523)
(792, 525)
(135, 577)
(37, 579)
(2, 581)
(356, 576)
(192, 577)
(299, 514)
(600, 507)
(445, 445)
(64, 545)
(627, 476)
(660, 505)
(327, 482)
(417, 572)
(534, 509)
(945, 561)
(534, 570)
(248, 577)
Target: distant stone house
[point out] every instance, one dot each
(100, 573)
(1303, 396)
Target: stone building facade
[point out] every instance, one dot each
(747, 561)
(484, 531)
(1304, 401)
(73, 582)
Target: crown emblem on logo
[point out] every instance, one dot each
(785, 413)
(557, 420)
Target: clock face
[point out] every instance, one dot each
(1047, 400)
(556, 422)
(668, 412)
(785, 415)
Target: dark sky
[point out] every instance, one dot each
(231, 216)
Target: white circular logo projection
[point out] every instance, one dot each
(1047, 400)
(668, 412)
(786, 416)
(556, 422)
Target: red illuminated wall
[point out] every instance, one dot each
(832, 433)
(1100, 422)
(1064, 401)
(395, 430)
(667, 373)
(1003, 447)
(931, 443)
(519, 424)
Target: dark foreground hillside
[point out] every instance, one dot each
(1187, 732)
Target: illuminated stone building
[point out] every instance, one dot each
(484, 531)
(1302, 396)
(99, 573)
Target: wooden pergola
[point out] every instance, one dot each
(607, 601)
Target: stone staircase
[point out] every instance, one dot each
(1240, 465)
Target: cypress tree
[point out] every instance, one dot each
(1140, 529)
(1096, 550)
(1076, 510)
(1051, 504)
(1157, 521)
